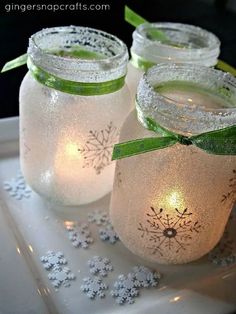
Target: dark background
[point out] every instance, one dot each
(218, 16)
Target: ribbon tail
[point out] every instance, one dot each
(221, 65)
(219, 142)
(15, 63)
(133, 18)
(140, 146)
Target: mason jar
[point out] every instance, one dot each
(73, 102)
(177, 43)
(171, 205)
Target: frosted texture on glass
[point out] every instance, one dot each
(66, 141)
(171, 205)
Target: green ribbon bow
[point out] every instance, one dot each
(219, 142)
(66, 86)
(135, 20)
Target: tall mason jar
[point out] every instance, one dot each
(171, 205)
(178, 43)
(73, 102)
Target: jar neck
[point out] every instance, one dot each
(185, 118)
(179, 43)
(79, 54)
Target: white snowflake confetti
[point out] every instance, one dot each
(80, 236)
(98, 217)
(94, 286)
(144, 277)
(53, 259)
(99, 265)
(108, 234)
(125, 289)
(61, 276)
(17, 188)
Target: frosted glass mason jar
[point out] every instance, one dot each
(73, 102)
(180, 43)
(171, 205)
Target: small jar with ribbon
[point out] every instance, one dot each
(175, 180)
(155, 43)
(73, 102)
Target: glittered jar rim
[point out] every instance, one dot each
(111, 66)
(180, 117)
(186, 44)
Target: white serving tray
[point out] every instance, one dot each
(30, 227)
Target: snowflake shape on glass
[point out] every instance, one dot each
(80, 236)
(231, 195)
(108, 234)
(17, 188)
(94, 286)
(98, 217)
(53, 259)
(169, 232)
(100, 265)
(61, 276)
(125, 289)
(98, 148)
(144, 277)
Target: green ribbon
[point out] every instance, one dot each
(135, 20)
(219, 142)
(15, 63)
(72, 87)
(140, 63)
(66, 86)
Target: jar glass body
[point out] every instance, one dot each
(182, 43)
(66, 140)
(171, 205)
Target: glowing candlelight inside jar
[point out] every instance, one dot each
(171, 204)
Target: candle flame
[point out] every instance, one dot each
(71, 150)
(174, 199)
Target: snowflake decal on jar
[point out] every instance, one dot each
(231, 195)
(98, 148)
(165, 231)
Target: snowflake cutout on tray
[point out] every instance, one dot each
(98, 148)
(94, 286)
(17, 188)
(80, 235)
(61, 276)
(169, 232)
(53, 259)
(125, 289)
(144, 277)
(98, 217)
(108, 234)
(99, 265)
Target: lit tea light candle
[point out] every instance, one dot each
(73, 102)
(170, 203)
